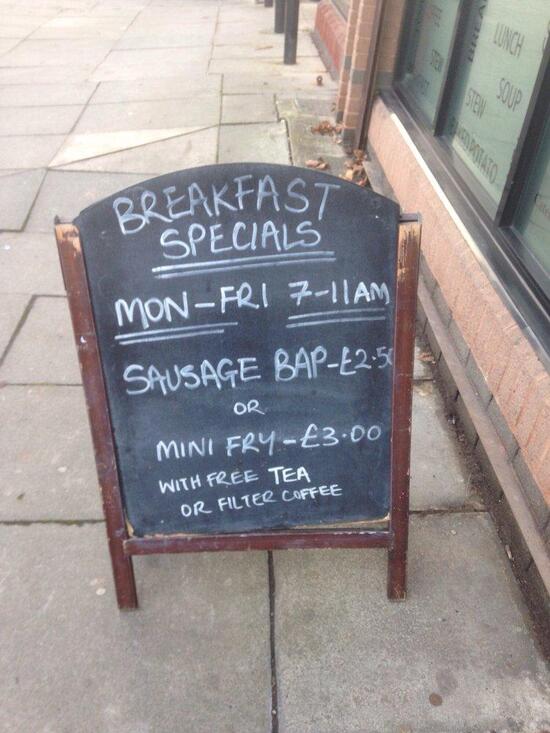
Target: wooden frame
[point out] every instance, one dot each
(122, 546)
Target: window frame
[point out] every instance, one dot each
(502, 249)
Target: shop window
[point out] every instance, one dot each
(428, 44)
(532, 224)
(474, 76)
(343, 6)
(497, 68)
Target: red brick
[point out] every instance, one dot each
(538, 445)
(509, 381)
(537, 396)
(513, 388)
(490, 351)
(541, 475)
(500, 361)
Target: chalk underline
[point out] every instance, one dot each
(233, 260)
(246, 263)
(335, 320)
(166, 334)
(343, 311)
(151, 339)
(156, 331)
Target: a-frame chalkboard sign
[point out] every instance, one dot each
(246, 337)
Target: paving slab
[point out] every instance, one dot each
(78, 25)
(29, 264)
(424, 363)
(195, 657)
(440, 477)
(12, 307)
(255, 14)
(66, 193)
(17, 29)
(32, 52)
(202, 111)
(48, 469)
(263, 47)
(301, 114)
(17, 193)
(152, 89)
(6, 44)
(44, 350)
(348, 660)
(152, 62)
(266, 67)
(267, 49)
(60, 32)
(184, 151)
(192, 13)
(248, 108)
(82, 146)
(167, 36)
(127, 11)
(36, 11)
(41, 95)
(234, 34)
(29, 151)
(262, 143)
(242, 83)
(33, 75)
(38, 120)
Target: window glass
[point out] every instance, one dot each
(501, 56)
(533, 221)
(428, 47)
(343, 6)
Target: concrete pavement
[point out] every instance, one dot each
(95, 96)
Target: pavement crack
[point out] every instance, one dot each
(17, 329)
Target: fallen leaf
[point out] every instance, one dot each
(355, 170)
(326, 127)
(318, 163)
(427, 356)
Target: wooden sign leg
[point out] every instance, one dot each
(407, 280)
(123, 576)
(76, 284)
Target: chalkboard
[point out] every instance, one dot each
(245, 320)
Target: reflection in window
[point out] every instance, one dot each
(429, 40)
(501, 57)
(533, 221)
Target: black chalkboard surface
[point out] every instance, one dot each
(245, 319)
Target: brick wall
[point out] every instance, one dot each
(514, 384)
(511, 387)
(389, 41)
(330, 35)
(352, 89)
(353, 15)
(355, 68)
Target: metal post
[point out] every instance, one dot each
(291, 30)
(280, 16)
